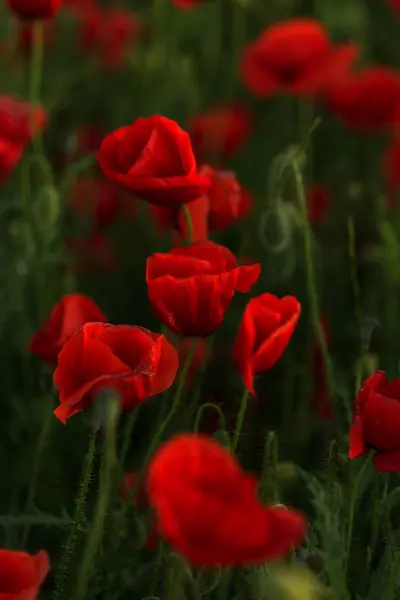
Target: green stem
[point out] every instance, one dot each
(35, 83)
(188, 221)
(199, 381)
(133, 417)
(95, 537)
(79, 517)
(199, 415)
(167, 420)
(311, 278)
(37, 461)
(270, 463)
(240, 419)
(353, 502)
(392, 582)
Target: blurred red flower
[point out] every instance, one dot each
(167, 218)
(221, 131)
(126, 487)
(96, 199)
(22, 574)
(15, 132)
(109, 34)
(186, 4)
(391, 171)
(91, 252)
(228, 201)
(318, 199)
(133, 360)
(191, 288)
(89, 138)
(207, 507)
(376, 422)
(368, 99)
(34, 9)
(295, 56)
(153, 158)
(69, 314)
(267, 325)
(395, 6)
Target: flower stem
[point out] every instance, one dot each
(35, 82)
(240, 419)
(128, 433)
(353, 502)
(94, 540)
(311, 278)
(61, 573)
(167, 420)
(200, 412)
(189, 224)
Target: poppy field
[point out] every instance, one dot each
(199, 316)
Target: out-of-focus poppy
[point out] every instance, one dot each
(22, 574)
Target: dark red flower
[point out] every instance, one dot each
(296, 57)
(89, 138)
(186, 4)
(391, 171)
(15, 132)
(132, 360)
(34, 9)
(220, 131)
(267, 325)
(153, 158)
(109, 33)
(191, 288)
(368, 99)
(395, 6)
(174, 218)
(96, 199)
(376, 422)
(91, 252)
(318, 198)
(126, 487)
(228, 202)
(68, 315)
(22, 574)
(207, 507)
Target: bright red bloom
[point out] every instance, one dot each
(318, 198)
(34, 9)
(207, 507)
(295, 57)
(191, 288)
(376, 422)
(167, 218)
(91, 252)
(15, 132)
(132, 360)
(22, 574)
(109, 34)
(220, 131)
(267, 325)
(391, 171)
(96, 199)
(228, 202)
(69, 314)
(367, 100)
(126, 487)
(153, 158)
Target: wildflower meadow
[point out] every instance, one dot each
(199, 300)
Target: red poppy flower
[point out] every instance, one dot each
(168, 218)
(34, 9)
(126, 486)
(267, 325)
(318, 199)
(368, 99)
(133, 360)
(296, 57)
(191, 288)
(153, 158)
(68, 315)
(89, 138)
(220, 131)
(91, 252)
(96, 199)
(391, 171)
(186, 4)
(376, 422)
(22, 574)
(228, 202)
(15, 132)
(207, 507)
